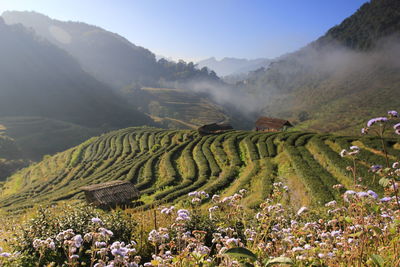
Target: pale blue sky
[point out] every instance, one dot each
(197, 29)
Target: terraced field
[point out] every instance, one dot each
(177, 108)
(165, 165)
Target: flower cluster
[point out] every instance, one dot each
(396, 128)
(381, 121)
(102, 253)
(346, 232)
(197, 197)
(158, 237)
(183, 215)
(167, 211)
(230, 205)
(354, 150)
(4, 254)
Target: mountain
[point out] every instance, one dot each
(109, 57)
(125, 67)
(233, 66)
(39, 79)
(335, 83)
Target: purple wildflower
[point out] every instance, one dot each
(371, 122)
(396, 126)
(192, 194)
(375, 168)
(393, 113)
(364, 130)
(362, 194)
(5, 254)
(302, 210)
(385, 199)
(347, 194)
(97, 220)
(372, 194)
(375, 120)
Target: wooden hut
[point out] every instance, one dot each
(214, 128)
(272, 124)
(111, 194)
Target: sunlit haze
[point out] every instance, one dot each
(199, 133)
(194, 30)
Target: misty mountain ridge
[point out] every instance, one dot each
(233, 66)
(92, 47)
(339, 80)
(109, 57)
(115, 61)
(41, 80)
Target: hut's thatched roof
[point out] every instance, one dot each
(214, 128)
(271, 123)
(110, 193)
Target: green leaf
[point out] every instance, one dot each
(376, 208)
(376, 229)
(348, 219)
(384, 182)
(356, 234)
(392, 230)
(282, 260)
(241, 253)
(378, 260)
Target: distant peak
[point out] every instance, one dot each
(11, 14)
(32, 13)
(210, 59)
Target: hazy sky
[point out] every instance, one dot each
(197, 29)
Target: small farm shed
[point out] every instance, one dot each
(272, 124)
(111, 194)
(214, 128)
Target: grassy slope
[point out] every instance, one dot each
(11, 158)
(177, 107)
(37, 136)
(165, 165)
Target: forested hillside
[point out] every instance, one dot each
(40, 80)
(108, 56)
(340, 79)
(127, 68)
(363, 30)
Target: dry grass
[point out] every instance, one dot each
(298, 193)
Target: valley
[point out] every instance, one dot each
(272, 154)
